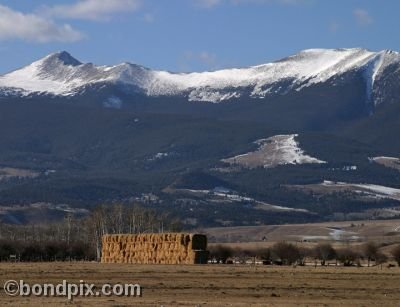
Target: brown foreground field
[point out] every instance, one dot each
(212, 285)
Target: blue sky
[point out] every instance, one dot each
(190, 35)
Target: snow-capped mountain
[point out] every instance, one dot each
(277, 133)
(60, 74)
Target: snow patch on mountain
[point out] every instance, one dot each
(113, 102)
(377, 191)
(392, 162)
(274, 151)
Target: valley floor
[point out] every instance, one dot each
(383, 232)
(213, 285)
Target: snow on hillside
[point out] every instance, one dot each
(230, 196)
(391, 162)
(387, 191)
(377, 191)
(274, 151)
(61, 74)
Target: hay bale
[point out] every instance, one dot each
(167, 248)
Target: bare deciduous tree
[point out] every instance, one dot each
(347, 256)
(324, 252)
(370, 251)
(286, 252)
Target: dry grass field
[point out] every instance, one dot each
(213, 285)
(381, 231)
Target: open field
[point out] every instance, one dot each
(382, 231)
(234, 285)
(354, 234)
(213, 285)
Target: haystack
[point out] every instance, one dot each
(165, 248)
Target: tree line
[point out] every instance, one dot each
(79, 238)
(284, 253)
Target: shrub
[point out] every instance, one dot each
(32, 252)
(221, 253)
(264, 254)
(287, 253)
(347, 256)
(370, 251)
(7, 248)
(324, 252)
(380, 258)
(396, 254)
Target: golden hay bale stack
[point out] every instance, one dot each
(166, 248)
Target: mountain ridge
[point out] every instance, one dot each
(60, 74)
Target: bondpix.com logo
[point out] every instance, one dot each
(70, 290)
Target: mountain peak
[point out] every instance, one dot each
(64, 57)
